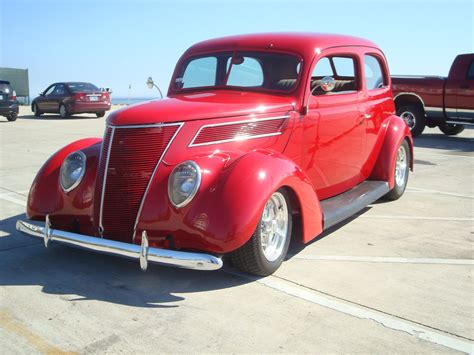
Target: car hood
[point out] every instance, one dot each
(203, 105)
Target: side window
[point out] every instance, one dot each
(470, 71)
(374, 77)
(49, 90)
(341, 68)
(248, 72)
(199, 73)
(59, 90)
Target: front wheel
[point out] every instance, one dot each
(36, 110)
(414, 117)
(451, 129)
(401, 171)
(265, 251)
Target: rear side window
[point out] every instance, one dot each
(343, 69)
(470, 71)
(200, 72)
(373, 76)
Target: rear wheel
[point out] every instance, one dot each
(100, 114)
(414, 118)
(63, 111)
(451, 129)
(36, 110)
(265, 251)
(12, 116)
(401, 171)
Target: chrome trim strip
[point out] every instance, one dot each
(409, 93)
(434, 109)
(158, 124)
(180, 125)
(143, 253)
(101, 227)
(243, 138)
(461, 110)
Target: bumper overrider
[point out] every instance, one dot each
(144, 253)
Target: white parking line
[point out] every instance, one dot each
(417, 152)
(382, 259)
(355, 310)
(9, 197)
(428, 191)
(417, 218)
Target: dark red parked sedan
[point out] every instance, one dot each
(70, 98)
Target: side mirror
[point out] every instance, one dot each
(328, 83)
(41, 94)
(150, 83)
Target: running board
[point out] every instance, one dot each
(340, 207)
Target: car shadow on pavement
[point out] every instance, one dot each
(442, 142)
(57, 117)
(78, 275)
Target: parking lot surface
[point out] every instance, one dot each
(397, 278)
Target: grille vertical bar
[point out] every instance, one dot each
(133, 156)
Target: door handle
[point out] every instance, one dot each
(367, 116)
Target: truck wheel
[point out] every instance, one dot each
(36, 110)
(401, 172)
(100, 114)
(265, 251)
(12, 116)
(451, 129)
(414, 118)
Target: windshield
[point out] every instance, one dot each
(248, 70)
(82, 87)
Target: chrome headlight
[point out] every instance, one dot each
(183, 183)
(72, 170)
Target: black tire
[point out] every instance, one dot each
(451, 129)
(100, 114)
(400, 186)
(63, 111)
(414, 117)
(12, 116)
(251, 259)
(36, 110)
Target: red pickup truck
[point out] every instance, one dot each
(447, 103)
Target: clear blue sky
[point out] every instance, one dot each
(117, 43)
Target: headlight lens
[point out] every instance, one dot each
(183, 183)
(72, 170)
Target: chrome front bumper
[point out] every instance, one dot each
(145, 254)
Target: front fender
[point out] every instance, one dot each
(226, 210)
(396, 132)
(47, 197)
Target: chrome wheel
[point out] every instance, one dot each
(274, 227)
(401, 166)
(409, 119)
(62, 111)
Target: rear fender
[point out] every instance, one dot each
(46, 195)
(396, 132)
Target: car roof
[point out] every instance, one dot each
(4, 82)
(303, 43)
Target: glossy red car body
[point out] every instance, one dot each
(315, 147)
(442, 99)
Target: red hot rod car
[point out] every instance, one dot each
(258, 133)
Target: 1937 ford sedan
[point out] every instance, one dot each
(258, 133)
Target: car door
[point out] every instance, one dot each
(465, 95)
(334, 131)
(377, 106)
(44, 101)
(57, 97)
